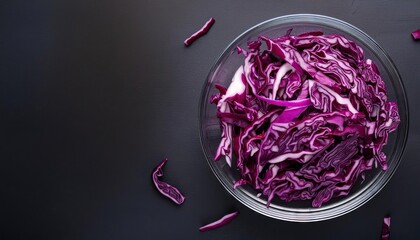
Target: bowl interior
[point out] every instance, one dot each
(302, 211)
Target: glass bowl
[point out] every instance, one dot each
(301, 211)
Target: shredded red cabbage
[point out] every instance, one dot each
(304, 118)
(221, 222)
(200, 32)
(164, 188)
(386, 227)
(416, 34)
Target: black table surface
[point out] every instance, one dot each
(93, 94)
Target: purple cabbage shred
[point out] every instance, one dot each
(200, 32)
(416, 34)
(386, 227)
(219, 223)
(164, 188)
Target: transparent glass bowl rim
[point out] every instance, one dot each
(352, 202)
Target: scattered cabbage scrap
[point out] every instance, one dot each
(221, 222)
(386, 226)
(164, 188)
(416, 34)
(305, 116)
(200, 32)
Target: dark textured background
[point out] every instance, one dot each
(93, 94)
